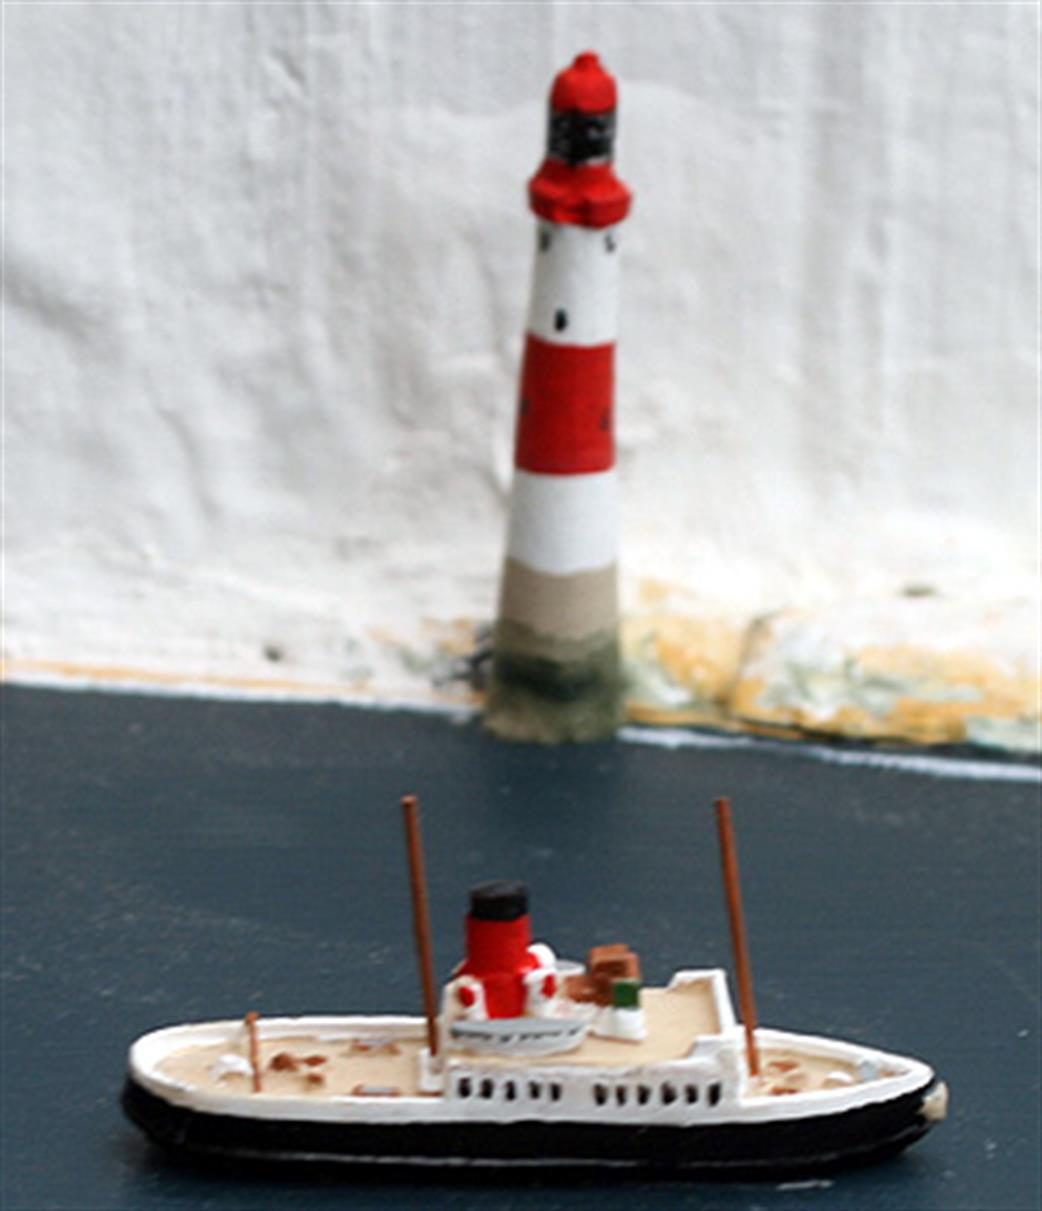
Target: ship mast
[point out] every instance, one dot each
(255, 1056)
(421, 916)
(729, 862)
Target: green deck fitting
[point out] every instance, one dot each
(625, 994)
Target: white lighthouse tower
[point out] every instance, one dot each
(556, 669)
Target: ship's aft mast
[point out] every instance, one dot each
(739, 942)
(421, 916)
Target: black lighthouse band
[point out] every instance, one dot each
(581, 138)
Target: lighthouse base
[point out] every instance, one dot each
(552, 690)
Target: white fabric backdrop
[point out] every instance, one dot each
(266, 274)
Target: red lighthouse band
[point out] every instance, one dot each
(564, 424)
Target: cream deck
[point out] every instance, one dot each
(343, 1071)
(676, 1017)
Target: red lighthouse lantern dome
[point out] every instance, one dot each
(576, 182)
(584, 86)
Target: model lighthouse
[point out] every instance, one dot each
(556, 669)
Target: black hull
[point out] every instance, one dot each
(768, 1150)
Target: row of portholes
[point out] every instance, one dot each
(486, 1088)
(509, 1090)
(668, 1093)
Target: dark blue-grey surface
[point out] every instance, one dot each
(167, 860)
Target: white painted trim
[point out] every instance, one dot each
(563, 524)
(716, 978)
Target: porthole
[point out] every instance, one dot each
(714, 1093)
(487, 1088)
(535, 1090)
(463, 1087)
(555, 1092)
(600, 1094)
(668, 1093)
(620, 1094)
(691, 1093)
(510, 1091)
(643, 1094)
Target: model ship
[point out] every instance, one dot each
(533, 1060)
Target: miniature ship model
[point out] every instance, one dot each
(533, 1061)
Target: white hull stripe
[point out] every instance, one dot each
(562, 524)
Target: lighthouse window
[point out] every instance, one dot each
(668, 1093)
(463, 1087)
(620, 1094)
(610, 242)
(510, 1091)
(600, 1094)
(555, 1092)
(486, 1088)
(560, 319)
(714, 1093)
(643, 1094)
(691, 1093)
(544, 240)
(534, 1089)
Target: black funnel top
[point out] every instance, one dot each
(500, 900)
